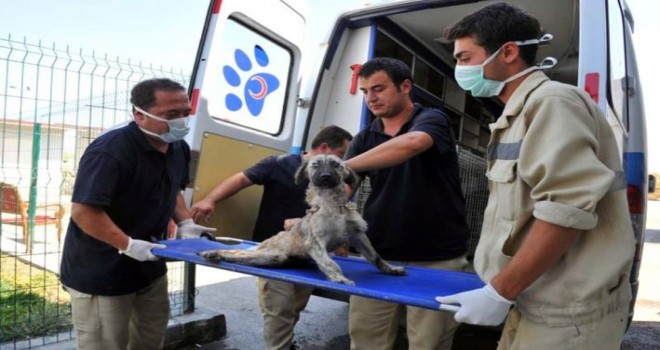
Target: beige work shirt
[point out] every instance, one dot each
(553, 156)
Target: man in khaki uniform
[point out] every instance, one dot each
(557, 241)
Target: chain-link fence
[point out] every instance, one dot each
(54, 101)
(472, 169)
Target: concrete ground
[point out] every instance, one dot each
(644, 332)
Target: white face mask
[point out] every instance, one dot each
(178, 128)
(471, 78)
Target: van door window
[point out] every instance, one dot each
(247, 79)
(617, 61)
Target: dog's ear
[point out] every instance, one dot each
(349, 176)
(301, 173)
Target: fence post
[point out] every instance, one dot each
(189, 288)
(34, 176)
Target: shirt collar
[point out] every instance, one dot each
(377, 125)
(518, 98)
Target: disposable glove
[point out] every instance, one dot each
(141, 250)
(189, 229)
(482, 306)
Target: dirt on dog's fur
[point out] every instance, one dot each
(330, 223)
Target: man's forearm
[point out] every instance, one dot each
(96, 223)
(228, 187)
(181, 211)
(392, 152)
(541, 250)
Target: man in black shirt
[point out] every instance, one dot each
(128, 188)
(415, 211)
(281, 302)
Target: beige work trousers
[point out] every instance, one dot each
(281, 304)
(136, 321)
(604, 334)
(373, 324)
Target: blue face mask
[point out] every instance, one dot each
(471, 78)
(178, 128)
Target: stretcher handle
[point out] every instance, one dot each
(449, 307)
(228, 240)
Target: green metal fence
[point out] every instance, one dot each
(53, 101)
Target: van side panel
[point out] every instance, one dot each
(636, 158)
(593, 46)
(235, 216)
(341, 107)
(246, 81)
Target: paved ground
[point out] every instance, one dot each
(644, 332)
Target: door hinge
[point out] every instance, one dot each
(628, 85)
(303, 103)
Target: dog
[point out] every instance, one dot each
(330, 223)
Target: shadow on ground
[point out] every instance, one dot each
(324, 323)
(642, 336)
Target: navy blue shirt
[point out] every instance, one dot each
(282, 198)
(137, 187)
(416, 210)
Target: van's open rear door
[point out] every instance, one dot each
(244, 92)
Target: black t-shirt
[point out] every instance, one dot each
(137, 186)
(282, 198)
(416, 210)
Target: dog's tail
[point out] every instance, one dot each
(244, 257)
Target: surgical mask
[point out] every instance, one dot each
(178, 128)
(471, 78)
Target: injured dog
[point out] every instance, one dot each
(330, 223)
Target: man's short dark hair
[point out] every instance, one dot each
(332, 135)
(395, 69)
(496, 24)
(143, 93)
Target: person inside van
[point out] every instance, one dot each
(283, 200)
(556, 246)
(415, 211)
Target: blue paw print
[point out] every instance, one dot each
(257, 86)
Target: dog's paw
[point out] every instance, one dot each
(343, 280)
(395, 270)
(212, 255)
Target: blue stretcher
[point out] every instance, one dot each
(418, 288)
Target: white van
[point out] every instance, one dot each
(270, 73)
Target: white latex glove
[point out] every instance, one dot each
(189, 229)
(483, 306)
(141, 250)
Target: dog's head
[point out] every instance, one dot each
(325, 171)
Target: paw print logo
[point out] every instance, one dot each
(256, 87)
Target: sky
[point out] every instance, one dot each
(162, 32)
(167, 32)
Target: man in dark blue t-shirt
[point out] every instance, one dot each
(128, 188)
(415, 211)
(281, 302)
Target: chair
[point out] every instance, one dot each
(45, 214)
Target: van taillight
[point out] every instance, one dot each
(216, 6)
(193, 101)
(635, 196)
